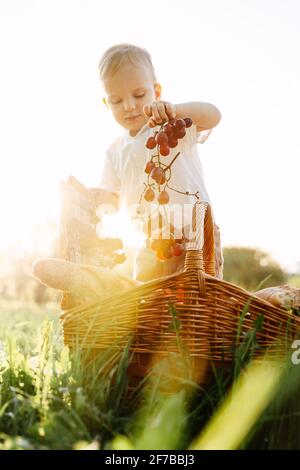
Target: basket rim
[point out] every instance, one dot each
(154, 282)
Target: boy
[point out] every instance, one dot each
(133, 95)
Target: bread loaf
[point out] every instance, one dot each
(79, 279)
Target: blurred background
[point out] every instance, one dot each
(241, 56)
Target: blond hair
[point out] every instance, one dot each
(121, 54)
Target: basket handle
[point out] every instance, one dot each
(200, 251)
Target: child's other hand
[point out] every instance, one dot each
(159, 112)
(100, 196)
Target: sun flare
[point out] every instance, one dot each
(119, 225)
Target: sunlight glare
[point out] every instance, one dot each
(119, 225)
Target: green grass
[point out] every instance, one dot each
(51, 399)
(294, 280)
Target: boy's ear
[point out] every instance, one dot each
(157, 89)
(105, 102)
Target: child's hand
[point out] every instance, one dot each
(100, 196)
(159, 112)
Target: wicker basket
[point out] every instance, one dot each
(192, 306)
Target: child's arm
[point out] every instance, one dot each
(204, 115)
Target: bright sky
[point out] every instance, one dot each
(242, 56)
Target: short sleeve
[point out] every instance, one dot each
(202, 136)
(109, 179)
(198, 137)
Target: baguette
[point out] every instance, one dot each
(81, 280)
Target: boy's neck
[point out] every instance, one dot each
(135, 133)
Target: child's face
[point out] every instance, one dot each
(127, 91)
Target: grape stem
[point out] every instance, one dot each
(187, 193)
(171, 163)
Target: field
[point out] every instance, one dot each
(49, 401)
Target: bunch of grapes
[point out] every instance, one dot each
(169, 134)
(166, 138)
(159, 175)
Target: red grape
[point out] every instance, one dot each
(149, 167)
(180, 133)
(168, 129)
(164, 150)
(157, 174)
(177, 249)
(173, 142)
(162, 138)
(163, 197)
(151, 143)
(188, 122)
(149, 195)
(179, 124)
(163, 179)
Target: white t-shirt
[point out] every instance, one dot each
(123, 171)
